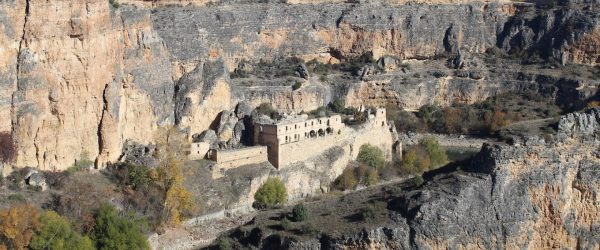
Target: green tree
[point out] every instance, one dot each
(371, 155)
(271, 193)
(57, 233)
(117, 232)
(437, 154)
(300, 212)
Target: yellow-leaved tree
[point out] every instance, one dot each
(171, 148)
(18, 225)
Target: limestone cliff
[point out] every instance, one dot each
(86, 77)
(81, 77)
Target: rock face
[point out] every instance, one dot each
(540, 195)
(82, 77)
(326, 32)
(83, 81)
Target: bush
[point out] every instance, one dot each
(337, 106)
(57, 233)
(18, 225)
(347, 180)
(82, 164)
(116, 232)
(368, 213)
(268, 110)
(436, 153)
(371, 155)
(133, 175)
(8, 149)
(297, 85)
(16, 198)
(114, 3)
(300, 213)
(224, 244)
(426, 155)
(271, 193)
(417, 181)
(308, 229)
(372, 177)
(286, 224)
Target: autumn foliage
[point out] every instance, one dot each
(18, 225)
(171, 148)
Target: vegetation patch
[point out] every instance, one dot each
(272, 193)
(426, 155)
(482, 119)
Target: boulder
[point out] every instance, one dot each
(243, 109)
(34, 178)
(302, 71)
(139, 154)
(208, 136)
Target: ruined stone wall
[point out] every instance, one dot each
(233, 158)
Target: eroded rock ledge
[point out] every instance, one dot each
(538, 195)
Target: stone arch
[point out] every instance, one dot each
(313, 134)
(329, 130)
(321, 132)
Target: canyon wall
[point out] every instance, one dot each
(79, 78)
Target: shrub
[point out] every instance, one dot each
(300, 213)
(116, 232)
(57, 233)
(297, 85)
(8, 149)
(286, 224)
(338, 106)
(347, 180)
(436, 153)
(308, 229)
(267, 109)
(372, 177)
(18, 225)
(16, 198)
(271, 193)
(371, 155)
(114, 3)
(368, 213)
(132, 175)
(427, 155)
(82, 164)
(417, 180)
(224, 243)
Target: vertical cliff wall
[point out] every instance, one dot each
(84, 77)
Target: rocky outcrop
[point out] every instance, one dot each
(81, 78)
(567, 35)
(86, 77)
(539, 195)
(326, 32)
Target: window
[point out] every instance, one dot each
(305, 124)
